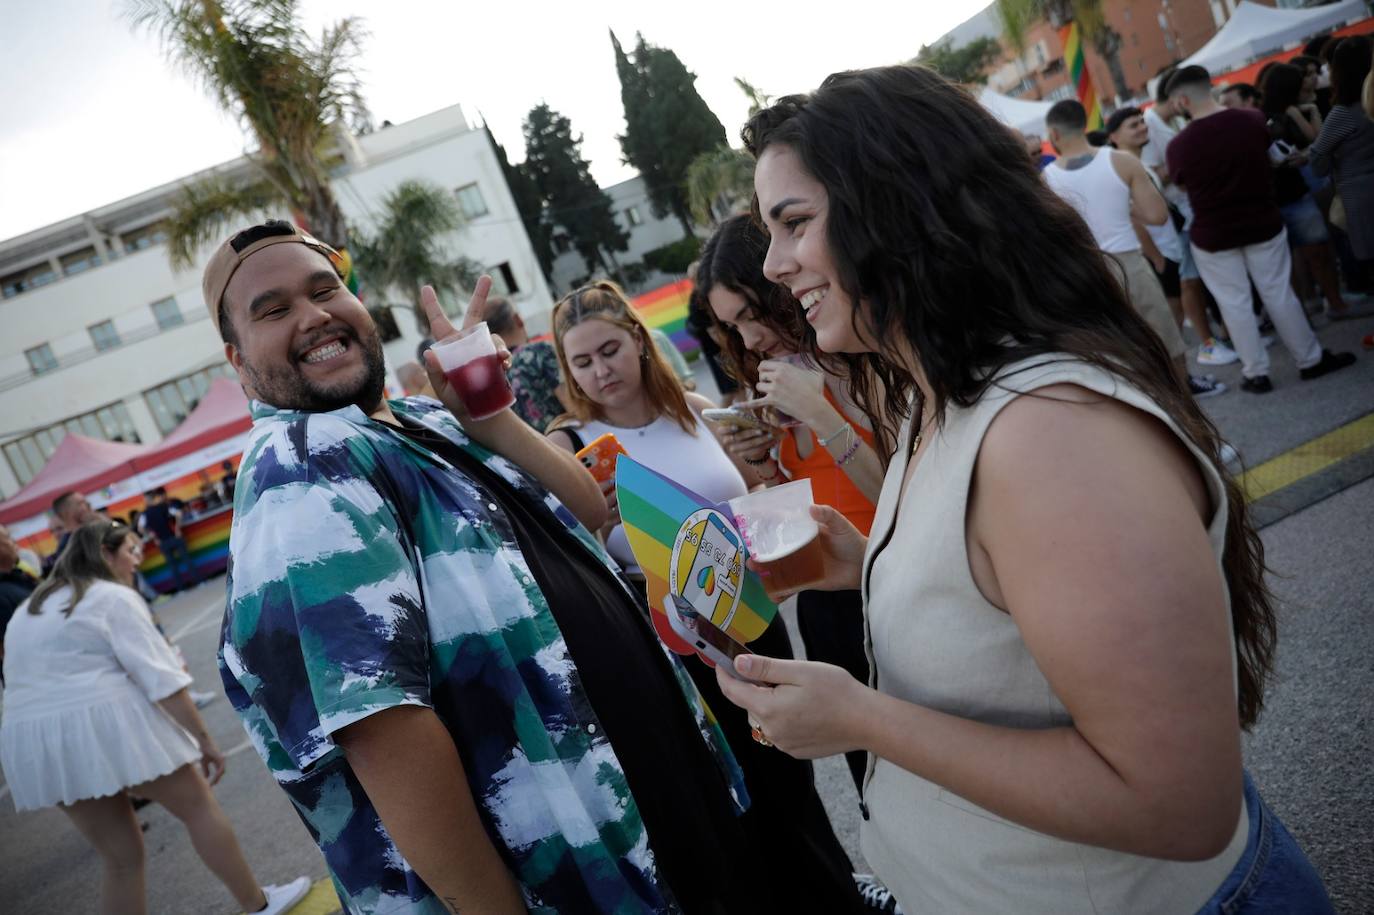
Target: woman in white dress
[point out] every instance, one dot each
(96, 708)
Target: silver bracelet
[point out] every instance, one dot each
(844, 427)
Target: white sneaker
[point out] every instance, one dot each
(202, 698)
(1229, 455)
(1214, 353)
(282, 898)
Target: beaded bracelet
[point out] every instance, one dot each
(759, 463)
(844, 427)
(848, 455)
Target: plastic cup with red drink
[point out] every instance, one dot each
(472, 366)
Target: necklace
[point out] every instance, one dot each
(638, 430)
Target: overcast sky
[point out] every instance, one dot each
(93, 113)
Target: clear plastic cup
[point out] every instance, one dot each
(783, 539)
(470, 363)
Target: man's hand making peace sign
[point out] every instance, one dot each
(506, 433)
(439, 328)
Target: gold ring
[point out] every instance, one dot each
(757, 733)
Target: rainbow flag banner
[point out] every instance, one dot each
(207, 541)
(690, 546)
(666, 309)
(1079, 77)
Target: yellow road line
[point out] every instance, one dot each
(1308, 458)
(321, 900)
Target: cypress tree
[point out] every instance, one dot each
(563, 180)
(667, 124)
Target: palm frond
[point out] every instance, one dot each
(289, 92)
(1090, 18)
(1016, 17)
(722, 178)
(408, 249)
(205, 211)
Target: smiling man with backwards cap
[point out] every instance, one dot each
(428, 650)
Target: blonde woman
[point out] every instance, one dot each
(96, 708)
(618, 382)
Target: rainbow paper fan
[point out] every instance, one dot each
(688, 545)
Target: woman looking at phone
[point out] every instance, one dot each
(833, 446)
(1064, 598)
(618, 382)
(97, 707)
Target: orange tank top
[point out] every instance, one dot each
(830, 485)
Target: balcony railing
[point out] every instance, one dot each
(86, 354)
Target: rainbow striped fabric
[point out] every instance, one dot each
(685, 543)
(1079, 77)
(207, 540)
(666, 309)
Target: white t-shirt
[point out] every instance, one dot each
(1161, 133)
(697, 462)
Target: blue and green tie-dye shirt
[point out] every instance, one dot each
(342, 527)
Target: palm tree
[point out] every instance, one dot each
(1019, 15)
(406, 252)
(718, 183)
(293, 96)
(721, 180)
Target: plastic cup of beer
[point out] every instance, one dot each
(470, 363)
(783, 539)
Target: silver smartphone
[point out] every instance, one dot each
(735, 418)
(703, 635)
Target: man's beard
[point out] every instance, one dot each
(286, 388)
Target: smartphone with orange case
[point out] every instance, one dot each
(599, 456)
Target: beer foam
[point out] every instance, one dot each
(771, 540)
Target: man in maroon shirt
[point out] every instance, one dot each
(1222, 160)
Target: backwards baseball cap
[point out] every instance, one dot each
(229, 256)
(1120, 116)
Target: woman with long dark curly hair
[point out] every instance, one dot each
(833, 444)
(1064, 598)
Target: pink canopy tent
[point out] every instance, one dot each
(79, 463)
(221, 413)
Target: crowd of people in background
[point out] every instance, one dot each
(437, 633)
(1261, 239)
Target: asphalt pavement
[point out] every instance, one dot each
(1312, 754)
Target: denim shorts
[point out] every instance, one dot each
(1187, 267)
(1304, 223)
(1273, 876)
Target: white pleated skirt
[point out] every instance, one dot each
(79, 751)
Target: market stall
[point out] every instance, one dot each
(189, 463)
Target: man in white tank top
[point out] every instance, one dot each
(1107, 188)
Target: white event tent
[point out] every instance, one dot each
(1018, 114)
(1254, 31)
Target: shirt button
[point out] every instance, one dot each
(591, 729)
(491, 506)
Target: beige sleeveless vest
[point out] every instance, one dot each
(934, 640)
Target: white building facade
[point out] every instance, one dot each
(102, 337)
(634, 214)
